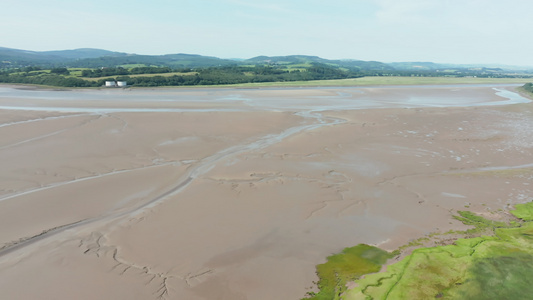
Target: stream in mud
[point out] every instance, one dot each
(226, 100)
(221, 100)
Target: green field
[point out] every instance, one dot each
(138, 75)
(388, 80)
(131, 66)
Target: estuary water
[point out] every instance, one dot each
(265, 99)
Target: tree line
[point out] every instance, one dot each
(49, 79)
(221, 75)
(528, 87)
(238, 74)
(203, 76)
(113, 71)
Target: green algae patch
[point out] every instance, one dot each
(347, 266)
(499, 266)
(524, 211)
(479, 223)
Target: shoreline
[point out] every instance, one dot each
(372, 81)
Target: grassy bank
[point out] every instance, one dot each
(387, 80)
(347, 266)
(496, 264)
(527, 89)
(194, 80)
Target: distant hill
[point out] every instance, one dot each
(22, 58)
(168, 60)
(58, 68)
(290, 59)
(430, 66)
(82, 53)
(417, 66)
(303, 59)
(97, 58)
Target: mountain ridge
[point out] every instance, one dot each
(93, 57)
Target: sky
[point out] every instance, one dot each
(441, 31)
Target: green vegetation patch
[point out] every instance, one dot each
(528, 87)
(130, 66)
(501, 277)
(347, 266)
(387, 80)
(296, 71)
(499, 266)
(524, 211)
(480, 224)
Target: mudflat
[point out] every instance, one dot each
(238, 193)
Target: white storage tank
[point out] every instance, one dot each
(110, 84)
(122, 83)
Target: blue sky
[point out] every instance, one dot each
(444, 31)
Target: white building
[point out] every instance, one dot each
(116, 83)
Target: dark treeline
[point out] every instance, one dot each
(239, 74)
(104, 72)
(233, 74)
(204, 76)
(48, 79)
(528, 87)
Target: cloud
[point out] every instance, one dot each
(389, 30)
(405, 11)
(262, 6)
